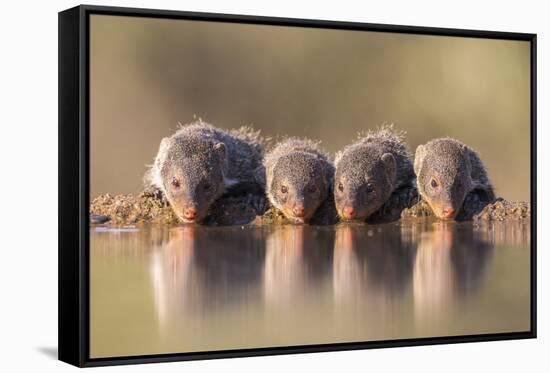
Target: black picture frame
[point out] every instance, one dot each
(74, 197)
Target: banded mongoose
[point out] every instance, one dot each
(199, 162)
(451, 178)
(373, 173)
(298, 179)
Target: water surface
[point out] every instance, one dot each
(160, 289)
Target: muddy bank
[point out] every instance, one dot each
(147, 206)
(151, 207)
(497, 211)
(505, 210)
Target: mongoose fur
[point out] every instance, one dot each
(298, 179)
(196, 165)
(451, 178)
(372, 173)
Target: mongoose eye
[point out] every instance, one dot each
(207, 187)
(175, 182)
(433, 183)
(284, 189)
(369, 188)
(341, 187)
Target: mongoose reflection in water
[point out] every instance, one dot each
(298, 179)
(452, 179)
(373, 173)
(198, 163)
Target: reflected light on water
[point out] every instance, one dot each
(193, 288)
(298, 261)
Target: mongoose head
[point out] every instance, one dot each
(190, 172)
(363, 182)
(298, 185)
(443, 172)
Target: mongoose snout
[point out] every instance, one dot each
(299, 211)
(348, 212)
(448, 212)
(190, 213)
(447, 171)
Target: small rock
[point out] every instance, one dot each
(98, 219)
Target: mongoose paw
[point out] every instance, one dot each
(258, 202)
(400, 200)
(326, 214)
(474, 202)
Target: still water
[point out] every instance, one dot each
(192, 288)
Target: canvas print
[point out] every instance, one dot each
(259, 186)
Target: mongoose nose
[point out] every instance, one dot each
(299, 211)
(448, 212)
(190, 213)
(349, 212)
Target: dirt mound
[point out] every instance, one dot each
(497, 211)
(122, 209)
(504, 210)
(151, 207)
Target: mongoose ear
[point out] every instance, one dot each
(164, 144)
(391, 166)
(162, 153)
(220, 149)
(419, 158)
(470, 158)
(337, 158)
(152, 176)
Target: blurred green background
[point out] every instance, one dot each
(149, 74)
